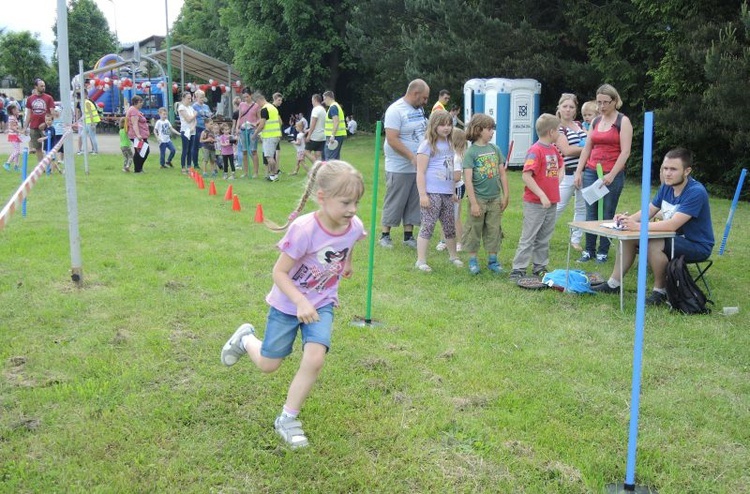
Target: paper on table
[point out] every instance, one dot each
(594, 192)
(612, 225)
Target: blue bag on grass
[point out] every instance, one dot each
(577, 280)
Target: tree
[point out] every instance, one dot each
(294, 46)
(89, 37)
(21, 57)
(199, 26)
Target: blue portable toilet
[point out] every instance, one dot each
(473, 98)
(514, 104)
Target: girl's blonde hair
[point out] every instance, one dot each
(478, 122)
(459, 141)
(437, 118)
(123, 122)
(334, 178)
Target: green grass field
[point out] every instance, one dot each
(467, 385)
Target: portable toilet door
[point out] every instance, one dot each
(525, 97)
(497, 106)
(474, 98)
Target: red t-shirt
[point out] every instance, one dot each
(545, 164)
(39, 107)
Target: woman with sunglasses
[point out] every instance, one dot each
(608, 144)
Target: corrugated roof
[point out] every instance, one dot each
(197, 64)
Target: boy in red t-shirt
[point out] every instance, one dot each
(542, 172)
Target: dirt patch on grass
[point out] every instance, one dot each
(464, 403)
(374, 363)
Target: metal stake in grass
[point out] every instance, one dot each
(629, 485)
(367, 320)
(736, 199)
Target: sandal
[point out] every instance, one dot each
(291, 431)
(422, 266)
(473, 266)
(457, 262)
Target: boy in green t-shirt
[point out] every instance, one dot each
(125, 146)
(484, 174)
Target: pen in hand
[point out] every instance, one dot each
(619, 218)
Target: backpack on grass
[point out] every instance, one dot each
(682, 292)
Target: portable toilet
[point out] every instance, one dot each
(473, 98)
(514, 104)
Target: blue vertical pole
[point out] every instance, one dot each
(648, 131)
(48, 149)
(24, 167)
(736, 199)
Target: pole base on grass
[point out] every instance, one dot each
(361, 322)
(621, 489)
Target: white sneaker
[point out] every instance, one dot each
(290, 431)
(440, 246)
(233, 348)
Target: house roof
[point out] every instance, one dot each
(197, 64)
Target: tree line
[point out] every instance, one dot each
(687, 61)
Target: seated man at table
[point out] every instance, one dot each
(683, 203)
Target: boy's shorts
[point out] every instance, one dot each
(281, 331)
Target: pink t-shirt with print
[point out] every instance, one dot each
(319, 261)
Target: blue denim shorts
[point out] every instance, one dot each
(281, 331)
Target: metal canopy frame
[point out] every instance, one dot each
(197, 64)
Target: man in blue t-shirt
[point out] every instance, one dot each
(683, 204)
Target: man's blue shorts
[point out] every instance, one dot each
(693, 252)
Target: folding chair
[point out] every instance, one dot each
(702, 267)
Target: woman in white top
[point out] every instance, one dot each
(187, 128)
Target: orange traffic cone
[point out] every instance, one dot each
(236, 203)
(228, 195)
(259, 214)
(201, 183)
(212, 188)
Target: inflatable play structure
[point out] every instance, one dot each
(111, 91)
(514, 105)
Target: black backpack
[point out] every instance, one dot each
(682, 292)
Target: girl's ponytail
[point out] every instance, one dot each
(309, 188)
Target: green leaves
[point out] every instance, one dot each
(89, 36)
(21, 57)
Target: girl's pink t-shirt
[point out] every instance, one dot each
(319, 257)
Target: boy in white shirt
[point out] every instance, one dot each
(163, 131)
